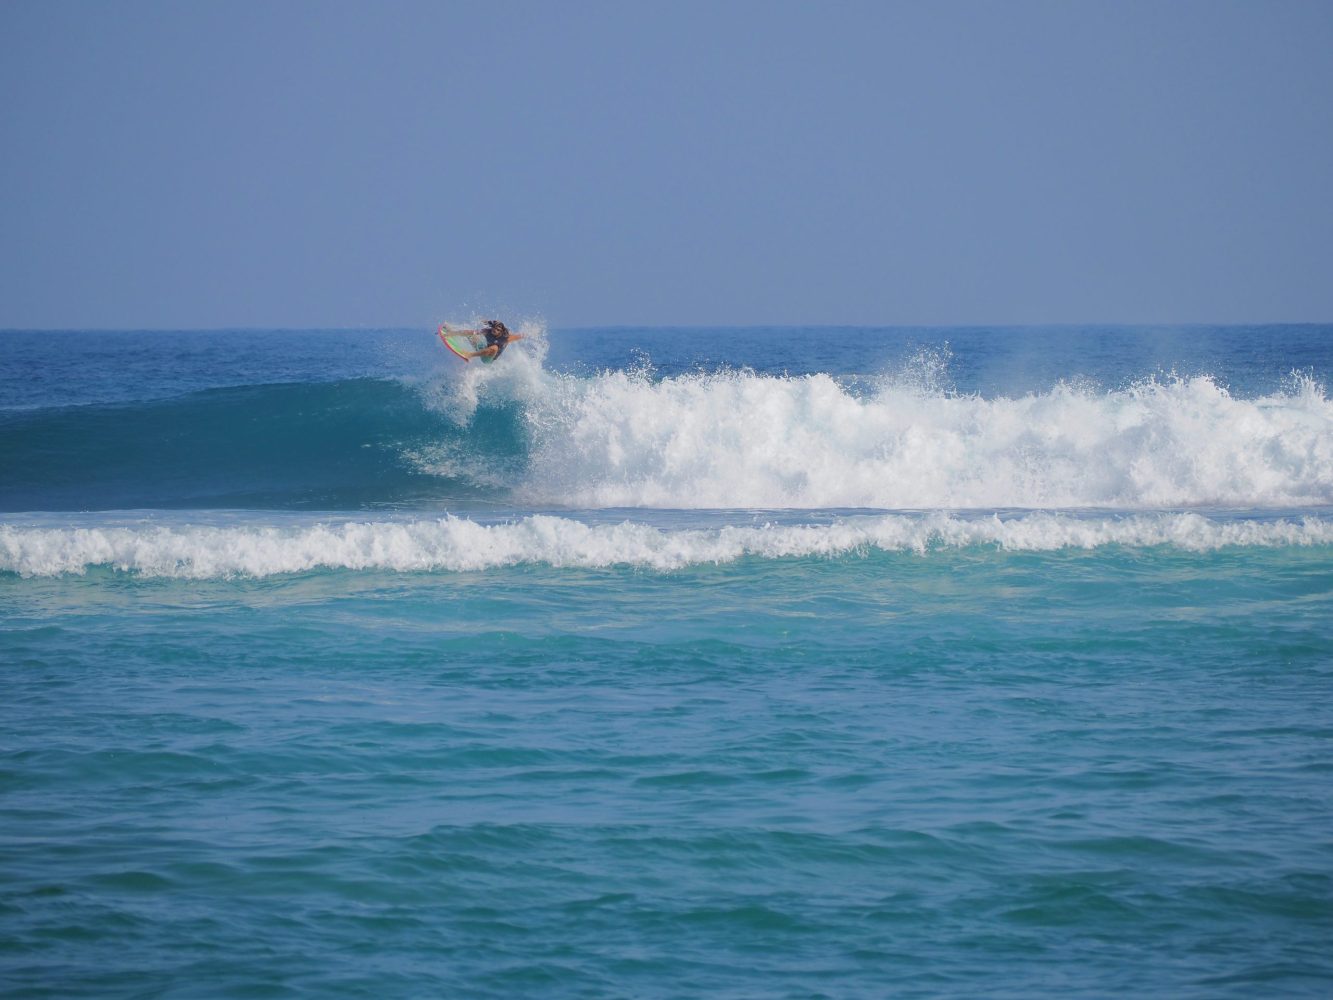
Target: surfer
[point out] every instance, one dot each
(497, 337)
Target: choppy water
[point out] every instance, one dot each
(667, 663)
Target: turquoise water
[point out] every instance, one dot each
(348, 671)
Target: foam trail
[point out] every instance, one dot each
(460, 545)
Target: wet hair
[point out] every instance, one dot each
(497, 328)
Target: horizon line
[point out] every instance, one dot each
(376, 328)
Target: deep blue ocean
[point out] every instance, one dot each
(797, 662)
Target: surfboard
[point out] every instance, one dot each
(461, 343)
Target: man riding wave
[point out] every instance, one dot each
(497, 337)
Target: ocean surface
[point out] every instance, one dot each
(798, 662)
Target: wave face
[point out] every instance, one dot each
(459, 544)
(332, 445)
(518, 434)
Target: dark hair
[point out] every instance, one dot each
(496, 327)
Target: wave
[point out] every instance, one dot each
(326, 445)
(521, 435)
(454, 544)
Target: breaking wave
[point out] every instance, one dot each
(518, 434)
(745, 440)
(453, 544)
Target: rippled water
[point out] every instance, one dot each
(382, 728)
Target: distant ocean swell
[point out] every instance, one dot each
(460, 544)
(731, 439)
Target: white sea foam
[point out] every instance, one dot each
(456, 544)
(739, 439)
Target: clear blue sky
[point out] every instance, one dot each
(199, 164)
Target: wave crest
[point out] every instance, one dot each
(453, 544)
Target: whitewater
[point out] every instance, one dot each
(456, 544)
(743, 439)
